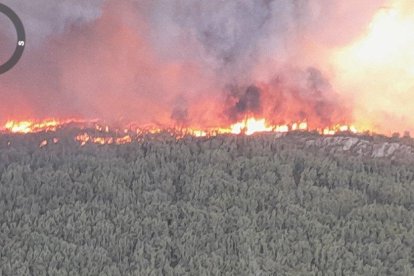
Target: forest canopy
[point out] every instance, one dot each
(225, 205)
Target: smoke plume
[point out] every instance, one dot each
(198, 63)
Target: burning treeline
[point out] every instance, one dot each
(94, 132)
(214, 66)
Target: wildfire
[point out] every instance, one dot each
(105, 135)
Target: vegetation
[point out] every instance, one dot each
(228, 205)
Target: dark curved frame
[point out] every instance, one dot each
(21, 37)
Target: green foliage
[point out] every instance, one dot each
(216, 206)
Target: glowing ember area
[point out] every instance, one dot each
(43, 143)
(85, 138)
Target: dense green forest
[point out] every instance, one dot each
(226, 205)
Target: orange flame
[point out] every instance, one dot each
(103, 135)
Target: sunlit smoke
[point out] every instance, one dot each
(378, 70)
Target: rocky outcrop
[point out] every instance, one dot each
(362, 147)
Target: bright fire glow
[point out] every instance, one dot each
(389, 34)
(31, 126)
(379, 69)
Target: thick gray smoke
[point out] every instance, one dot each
(233, 37)
(44, 19)
(246, 101)
(229, 36)
(173, 60)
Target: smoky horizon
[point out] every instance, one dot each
(211, 64)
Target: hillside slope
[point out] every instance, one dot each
(297, 204)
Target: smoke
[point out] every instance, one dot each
(180, 112)
(46, 18)
(247, 102)
(187, 62)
